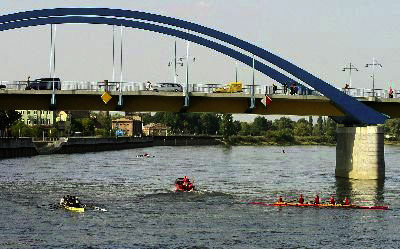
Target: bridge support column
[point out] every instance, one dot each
(360, 152)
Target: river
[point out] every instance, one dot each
(144, 212)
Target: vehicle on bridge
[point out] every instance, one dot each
(44, 84)
(166, 87)
(232, 87)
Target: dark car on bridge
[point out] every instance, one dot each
(44, 84)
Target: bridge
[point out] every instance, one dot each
(351, 111)
(87, 96)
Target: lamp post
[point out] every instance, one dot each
(175, 62)
(350, 68)
(187, 73)
(373, 64)
(236, 71)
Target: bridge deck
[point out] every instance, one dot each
(136, 101)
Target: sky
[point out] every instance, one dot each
(321, 37)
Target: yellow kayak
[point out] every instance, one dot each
(74, 209)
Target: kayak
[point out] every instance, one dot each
(289, 204)
(74, 209)
(72, 203)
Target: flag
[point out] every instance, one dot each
(266, 101)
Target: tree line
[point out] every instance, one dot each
(260, 131)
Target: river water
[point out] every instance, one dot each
(144, 212)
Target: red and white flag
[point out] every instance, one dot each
(266, 101)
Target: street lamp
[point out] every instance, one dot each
(350, 68)
(174, 62)
(236, 71)
(373, 64)
(181, 61)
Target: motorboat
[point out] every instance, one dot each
(184, 185)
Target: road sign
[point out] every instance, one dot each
(106, 97)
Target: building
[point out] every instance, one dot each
(153, 129)
(131, 126)
(37, 117)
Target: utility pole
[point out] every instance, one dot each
(350, 68)
(373, 64)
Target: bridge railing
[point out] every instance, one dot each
(367, 92)
(202, 87)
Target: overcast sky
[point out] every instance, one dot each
(319, 36)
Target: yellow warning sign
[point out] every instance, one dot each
(106, 97)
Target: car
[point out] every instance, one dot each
(232, 87)
(44, 84)
(3, 86)
(166, 87)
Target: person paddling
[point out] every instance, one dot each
(316, 200)
(332, 200)
(347, 201)
(280, 199)
(301, 199)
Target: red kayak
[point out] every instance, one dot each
(288, 204)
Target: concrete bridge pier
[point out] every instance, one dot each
(360, 152)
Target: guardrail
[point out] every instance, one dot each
(205, 88)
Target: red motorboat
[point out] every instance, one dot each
(184, 185)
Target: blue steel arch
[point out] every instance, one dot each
(360, 112)
(279, 77)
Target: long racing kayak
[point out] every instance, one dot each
(289, 204)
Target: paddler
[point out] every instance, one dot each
(301, 199)
(347, 201)
(332, 200)
(316, 199)
(280, 199)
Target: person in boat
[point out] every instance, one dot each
(280, 199)
(70, 201)
(184, 184)
(347, 201)
(316, 200)
(301, 199)
(332, 200)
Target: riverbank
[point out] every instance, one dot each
(22, 147)
(17, 147)
(279, 141)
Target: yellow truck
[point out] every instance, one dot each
(232, 87)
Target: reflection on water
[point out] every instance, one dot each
(365, 192)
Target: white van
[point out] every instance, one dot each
(166, 87)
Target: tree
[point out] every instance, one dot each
(319, 127)
(88, 127)
(210, 123)
(392, 128)
(226, 127)
(260, 125)
(8, 119)
(104, 120)
(302, 128)
(283, 123)
(245, 128)
(330, 128)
